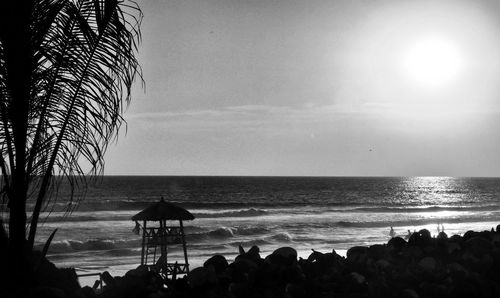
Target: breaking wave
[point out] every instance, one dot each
(67, 246)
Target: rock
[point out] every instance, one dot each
(332, 259)
(457, 271)
(295, 290)
(396, 244)
(430, 267)
(286, 252)
(200, 276)
(322, 262)
(158, 294)
(218, 262)
(382, 264)
(239, 289)
(243, 265)
(377, 251)
(468, 235)
(49, 276)
(456, 239)
(283, 256)
(479, 246)
(357, 278)
(88, 292)
(452, 247)
(428, 264)
(357, 254)
(413, 252)
(293, 274)
(495, 238)
(425, 233)
(486, 262)
(409, 293)
(469, 259)
(421, 238)
(140, 271)
(49, 292)
(430, 289)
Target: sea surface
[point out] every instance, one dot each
(321, 213)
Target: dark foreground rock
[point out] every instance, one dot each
(423, 266)
(457, 266)
(41, 279)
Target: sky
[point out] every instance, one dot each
(315, 88)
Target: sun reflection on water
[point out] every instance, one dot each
(436, 191)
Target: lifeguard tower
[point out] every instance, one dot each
(158, 232)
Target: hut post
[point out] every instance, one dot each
(163, 240)
(184, 245)
(143, 241)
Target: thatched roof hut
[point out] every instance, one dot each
(155, 239)
(163, 211)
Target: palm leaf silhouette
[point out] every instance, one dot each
(66, 72)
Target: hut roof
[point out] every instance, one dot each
(163, 211)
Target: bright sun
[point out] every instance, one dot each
(432, 62)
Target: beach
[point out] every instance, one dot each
(424, 266)
(319, 213)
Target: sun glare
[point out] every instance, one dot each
(432, 62)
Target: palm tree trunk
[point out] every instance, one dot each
(16, 40)
(17, 221)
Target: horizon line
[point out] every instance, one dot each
(292, 176)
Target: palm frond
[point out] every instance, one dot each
(83, 66)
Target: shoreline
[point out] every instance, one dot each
(423, 266)
(303, 250)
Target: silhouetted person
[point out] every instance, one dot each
(136, 228)
(408, 235)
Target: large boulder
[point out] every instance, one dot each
(396, 244)
(218, 262)
(377, 251)
(201, 276)
(421, 238)
(357, 254)
(283, 256)
(47, 275)
(286, 252)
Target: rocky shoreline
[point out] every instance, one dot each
(423, 266)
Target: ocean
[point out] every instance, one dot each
(321, 213)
